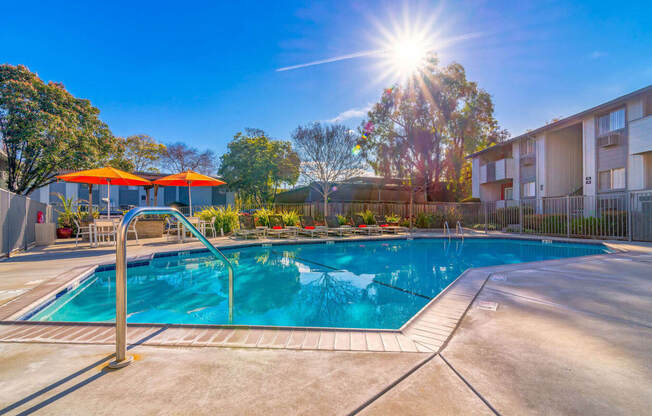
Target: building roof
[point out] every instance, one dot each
(563, 121)
(361, 188)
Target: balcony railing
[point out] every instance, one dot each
(497, 171)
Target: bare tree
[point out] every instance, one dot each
(328, 155)
(179, 157)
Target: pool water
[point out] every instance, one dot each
(361, 284)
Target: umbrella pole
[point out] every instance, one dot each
(189, 199)
(90, 200)
(108, 198)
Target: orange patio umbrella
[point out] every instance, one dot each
(189, 178)
(103, 176)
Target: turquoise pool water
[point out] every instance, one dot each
(370, 284)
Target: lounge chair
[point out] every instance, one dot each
(382, 223)
(308, 227)
(333, 227)
(277, 227)
(362, 228)
(248, 227)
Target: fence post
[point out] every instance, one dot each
(485, 218)
(520, 217)
(567, 215)
(630, 196)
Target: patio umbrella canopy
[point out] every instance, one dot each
(189, 178)
(103, 176)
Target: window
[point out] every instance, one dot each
(528, 189)
(611, 122)
(509, 194)
(611, 179)
(527, 147)
(618, 178)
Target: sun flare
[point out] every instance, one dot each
(408, 55)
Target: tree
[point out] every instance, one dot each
(328, 155)
(143, 152)
(420, 130)
(44, 129)
(179, 157)
(257, 166)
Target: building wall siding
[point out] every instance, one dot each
(589, 156)
(475, 177)
(541, 166)
(516, 180)
(564, 167)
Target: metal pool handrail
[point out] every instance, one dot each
(447, 230)
(121, 358)
(459, 230)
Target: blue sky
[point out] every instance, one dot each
(201, 72)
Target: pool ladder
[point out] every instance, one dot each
(447, 230)
(121, 359)
(459, 230)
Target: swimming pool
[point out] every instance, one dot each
(376, 284)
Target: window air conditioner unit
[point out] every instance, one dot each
(609, 140)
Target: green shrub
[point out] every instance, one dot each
(342, 220)
(392, 218)
(437, 220)
(367, 217)
(225, 219)
(262, 216)
(470, 199)
(290, 218)
(452, 215)
(422, 221)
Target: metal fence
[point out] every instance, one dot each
(17, 218)
(620, 215)
(602, 217)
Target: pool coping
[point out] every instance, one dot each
(426, 331)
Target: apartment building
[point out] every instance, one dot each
(605, 149)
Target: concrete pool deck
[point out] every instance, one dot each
(566, 337)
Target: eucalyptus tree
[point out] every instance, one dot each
(421, 129)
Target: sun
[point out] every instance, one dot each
(407, 55)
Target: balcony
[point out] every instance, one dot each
(528, 159)
(497, 171)
(640, 135)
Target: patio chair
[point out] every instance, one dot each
(105, 230)
(334, 227)
(384, 226)
(197, 223)
(248, 227)
(277, 227)
(362, 228)
(308, 227)
(172, 228)
(84, 230)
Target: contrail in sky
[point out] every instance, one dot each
(335, 59)
(441, 44)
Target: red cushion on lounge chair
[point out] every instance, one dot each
(384, 225)
(309, 227)
(277, 227)
(362, 225)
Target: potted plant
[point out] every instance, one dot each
(392, 219)
(65, 223)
